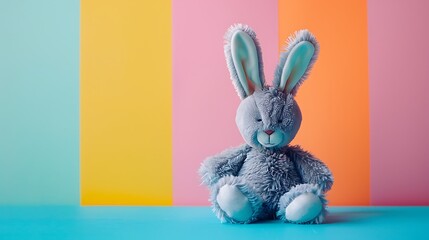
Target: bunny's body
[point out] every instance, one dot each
(266, 178)
(277, 171)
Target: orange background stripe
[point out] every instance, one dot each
(335, 98)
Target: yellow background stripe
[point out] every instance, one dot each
(126, 111)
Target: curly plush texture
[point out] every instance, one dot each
(264, 176)
(296, 191)
(230, 63)
(226, 163)
(267, 170)
(311, 169)
(293, 40)
(253, 198)
(270, 105)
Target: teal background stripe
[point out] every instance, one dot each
(39, 102)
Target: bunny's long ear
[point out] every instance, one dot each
(296, 61)
(244, 60)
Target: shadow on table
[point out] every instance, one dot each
(351, 216)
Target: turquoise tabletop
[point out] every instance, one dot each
(58, 222)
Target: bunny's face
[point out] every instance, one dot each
(268, 117)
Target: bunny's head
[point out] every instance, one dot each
(268, 117)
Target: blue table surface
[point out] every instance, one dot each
(65, 222)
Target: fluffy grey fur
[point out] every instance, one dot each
(294, 192)
(228, 56)
(253, 197)
(268, 109)
(269, 172)
(297, 37)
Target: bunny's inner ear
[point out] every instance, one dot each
(244, 60)
(296, 62)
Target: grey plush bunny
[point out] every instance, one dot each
(266, 178)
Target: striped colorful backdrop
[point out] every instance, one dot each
(118, 102)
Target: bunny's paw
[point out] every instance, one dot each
(234, 202)
(304, 203)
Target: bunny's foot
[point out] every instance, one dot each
(304, 203)
(234, 202)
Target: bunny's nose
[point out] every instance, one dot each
(269, 132)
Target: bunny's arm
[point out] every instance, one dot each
(226, 163)
(311, 169)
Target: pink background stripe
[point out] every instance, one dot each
(201, 84)
(399, 84)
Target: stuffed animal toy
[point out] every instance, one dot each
(266, 178)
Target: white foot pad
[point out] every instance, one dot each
(234, 203)
(304, 208)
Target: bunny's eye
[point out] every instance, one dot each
(280, 121)
(259, 120)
